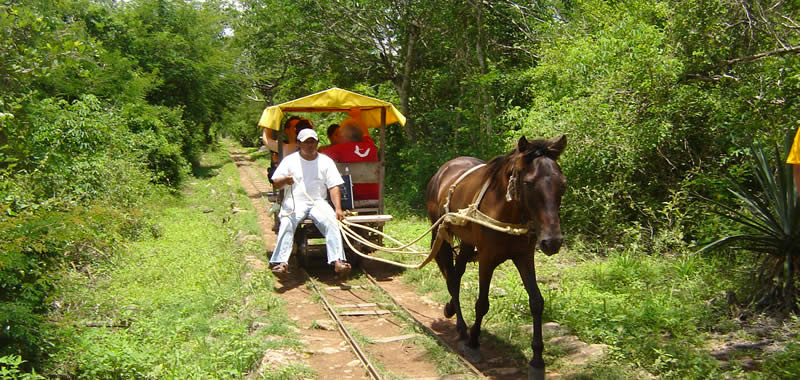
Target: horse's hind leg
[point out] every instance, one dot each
(485, 272)
(527, 272)
(465, 255)
(452, 274)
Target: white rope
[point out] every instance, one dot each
(453, 186)
(460, 217)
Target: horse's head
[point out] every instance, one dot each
(538, 183)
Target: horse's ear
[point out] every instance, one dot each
(556, 145)
(522, 144)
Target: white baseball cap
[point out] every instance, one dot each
(307, 134)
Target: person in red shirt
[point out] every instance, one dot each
(334, 137)
(356, 148)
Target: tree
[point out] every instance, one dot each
(375, 40)
(184, 45)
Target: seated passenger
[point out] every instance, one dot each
(301, 125)
(355, 119)
(310, 177)
(334, 136)
(287, 138)
(356, 148)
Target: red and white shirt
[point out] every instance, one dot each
(363, 151)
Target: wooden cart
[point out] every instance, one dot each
(376, 114)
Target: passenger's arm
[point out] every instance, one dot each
(336, 198)
(279, 183)
(269, 142)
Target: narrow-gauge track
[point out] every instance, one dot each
(377, 310)
(386, 325)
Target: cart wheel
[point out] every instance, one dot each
(301, 254)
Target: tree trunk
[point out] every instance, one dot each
(480, 53)
(403, 88)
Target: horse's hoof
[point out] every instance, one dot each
(473, 355)
(535, 373)
(449, 311)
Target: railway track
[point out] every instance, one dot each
(388, 340)
(350, 307)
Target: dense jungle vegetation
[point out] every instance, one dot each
(106, 104)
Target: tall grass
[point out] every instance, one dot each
(654, 311)
(181, 300)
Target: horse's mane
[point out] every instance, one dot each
(535, 148)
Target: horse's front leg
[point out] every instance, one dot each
(472, 349)
(526, 267)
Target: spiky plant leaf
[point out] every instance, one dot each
(770, 215)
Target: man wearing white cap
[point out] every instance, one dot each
(313, 175)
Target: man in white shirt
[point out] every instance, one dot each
(313, 175)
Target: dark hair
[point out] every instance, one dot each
(332, 129)
(352, 133)
(302, 124)
(288, 121)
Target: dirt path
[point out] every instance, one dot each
(326, 352)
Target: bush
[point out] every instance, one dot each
(769, 215)
(161, 136)
(32, 246)
(80, 167)
(10, 369)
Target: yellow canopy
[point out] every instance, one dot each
(334, 100)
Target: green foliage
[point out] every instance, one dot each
(88, 150)
(162, 138)
(621, 80)
(651, 100)
(614, 64)
(785, 364)
(242, 124)
(169, 53)
(9, 369)
(185, 296)
(183, 44)
(770, 216)
(32, 247)
(75, 129)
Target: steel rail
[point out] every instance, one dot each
(427, 330)
(343, 330)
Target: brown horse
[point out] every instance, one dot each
(522, 188)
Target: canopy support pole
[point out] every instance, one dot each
(383, 162)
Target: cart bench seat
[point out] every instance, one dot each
(361, 219)
(368, 218)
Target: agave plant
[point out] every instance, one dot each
(770, 216)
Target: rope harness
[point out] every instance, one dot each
(469, 214)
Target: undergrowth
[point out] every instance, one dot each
(655, 310)
(178, 301)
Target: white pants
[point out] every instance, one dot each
(323, 216)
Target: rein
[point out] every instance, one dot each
(457, 218)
